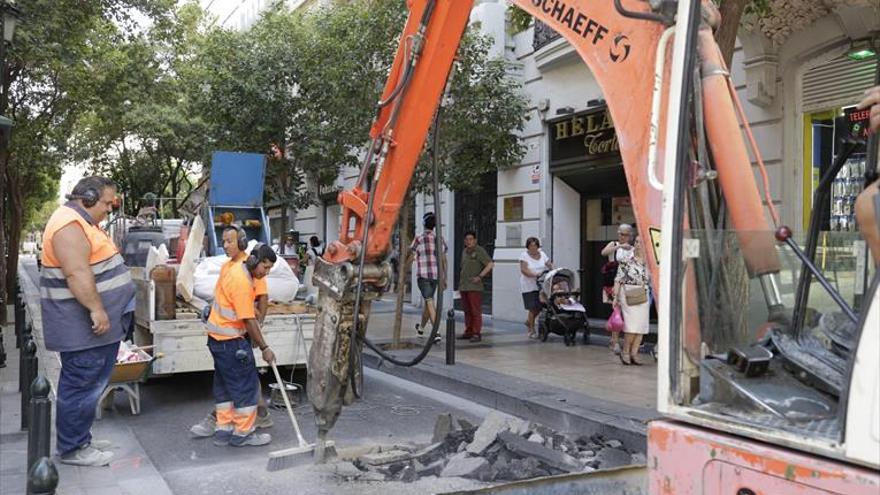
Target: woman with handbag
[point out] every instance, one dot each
(617, 252)
(631, 296)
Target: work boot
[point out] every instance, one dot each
(222, 438)
(254, 439)
(263, 420)
(204, 428)
(87, 456)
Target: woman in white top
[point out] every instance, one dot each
(631, 295)
(617, 252)
(532, 262)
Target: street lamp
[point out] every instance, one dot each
(10, 16)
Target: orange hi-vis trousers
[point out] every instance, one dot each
(235, 385)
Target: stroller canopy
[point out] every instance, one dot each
(556, 275)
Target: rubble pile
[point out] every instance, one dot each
(502, 448)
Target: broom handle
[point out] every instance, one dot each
(283, 389)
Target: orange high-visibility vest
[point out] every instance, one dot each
(233, 303)
(67, 324)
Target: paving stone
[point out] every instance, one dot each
(532, 450)
(382, 458)
(462, 466)
(494, 424)
(612, 457)
(442, 427)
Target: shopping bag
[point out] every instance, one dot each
(615, 321)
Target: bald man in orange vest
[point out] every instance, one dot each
(86, 301)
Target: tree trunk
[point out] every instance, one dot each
(3, 202)
(402, 272)
(731, 13)
(15, 216)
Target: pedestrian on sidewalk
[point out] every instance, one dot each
(235, 244)
(617, 252)
(475, 265)
(532, 263)
(233, 329)
(430, 270)
(86, 302)
(631, 295)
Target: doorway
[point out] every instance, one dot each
(477, 211)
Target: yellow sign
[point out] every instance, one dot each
(655, 242)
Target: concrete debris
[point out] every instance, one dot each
(502, 448)
(553, 458)
(494, 424)
(464, 466)
(442, 427)
(614, 444)
(612, 457)
(381, 458)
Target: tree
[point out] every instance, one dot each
(47, 83)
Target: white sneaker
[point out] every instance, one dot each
(103, 445)
(87, 456)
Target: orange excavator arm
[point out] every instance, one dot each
(621, 45)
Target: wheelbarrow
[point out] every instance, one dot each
(128, 377)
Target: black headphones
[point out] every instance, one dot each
(241, 237)
(252, 260)
(89, 197)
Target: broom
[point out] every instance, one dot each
(282, 459)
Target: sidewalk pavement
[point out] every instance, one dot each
(130, 472)
(590, 370)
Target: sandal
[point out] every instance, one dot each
(623, 359)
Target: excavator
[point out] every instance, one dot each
(760, 394)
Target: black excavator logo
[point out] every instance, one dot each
(620, 48)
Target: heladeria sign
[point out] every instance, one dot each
(587, 136)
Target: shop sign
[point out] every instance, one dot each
(328, 192)
(858, 121)
(588, 135)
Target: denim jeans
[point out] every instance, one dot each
(84, 376)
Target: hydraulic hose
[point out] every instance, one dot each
(438, 240)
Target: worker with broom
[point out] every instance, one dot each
(235, 245)
(232, 330)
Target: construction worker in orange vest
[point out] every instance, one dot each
(232, 330)
(86, 302)
(235, 244)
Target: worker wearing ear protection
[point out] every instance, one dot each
(232, 328)
(235, 244)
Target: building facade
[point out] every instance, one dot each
(795, 74)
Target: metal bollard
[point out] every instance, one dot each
(40, 421)
(19, 319)
(2, 351)
(450, 337)
(42, 478)
(29, 368)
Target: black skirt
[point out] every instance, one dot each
(531, 301)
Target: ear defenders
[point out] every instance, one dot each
(241, 237)
(89, 197)
(252, 261)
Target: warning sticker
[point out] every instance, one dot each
(654, 232)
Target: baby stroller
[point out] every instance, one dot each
(561, 310)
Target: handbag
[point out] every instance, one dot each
(615, 321)
(636, 296)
